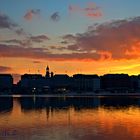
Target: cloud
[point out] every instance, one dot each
(12, 41)
(39, 38)
(96, 14)
(69, 37)
(36, 62)
(114, 40)
(6, 22)
(55, 16)
(27, 41)
(118, 39)
(60, 48)
(40, 53)
(5, 69)
(31, 13)
(64, 42)
(24, 43)
(20, 31)
(20, 51)
(90, 10)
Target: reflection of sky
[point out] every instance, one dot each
(69, 123)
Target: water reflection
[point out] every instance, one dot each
(6, 104)
(78, 103)
(70, 118)
(120, 101)
(29, 103)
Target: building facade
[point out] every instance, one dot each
(116, 82)
(6, 81)
(83, 82)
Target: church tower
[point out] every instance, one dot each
(47, 72)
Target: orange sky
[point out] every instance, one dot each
(70, 40)
(21, 66)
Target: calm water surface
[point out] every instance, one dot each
(69, 118)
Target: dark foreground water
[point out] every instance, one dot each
(69, 118)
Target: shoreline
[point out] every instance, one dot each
(74, 94)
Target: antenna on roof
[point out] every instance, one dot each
(38, 71)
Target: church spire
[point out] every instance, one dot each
(47, 72)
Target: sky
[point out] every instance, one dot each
(71, 36)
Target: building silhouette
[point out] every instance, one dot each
(62, 83)
(47, 72)
(6, 82)
(82, 82)
(116, 82)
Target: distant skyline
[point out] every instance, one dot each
(70, 36)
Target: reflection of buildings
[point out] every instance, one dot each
(57, 103)
(51, 104)
(64, 103)
(6, 104)
(120, 102)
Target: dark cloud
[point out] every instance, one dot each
(64, 42)
(41, 53)
(24, 43)
(28, 41)
(60, 48)
(32, 13)
(36, 62)
(19, 51)
(6, 22)
(13, 41)
(39, 38)
(69, 37)
(118, 39)
(5, 69)
(20, 32)
(55, 16)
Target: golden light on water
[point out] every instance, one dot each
(73, 122)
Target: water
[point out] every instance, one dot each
(69, 118)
